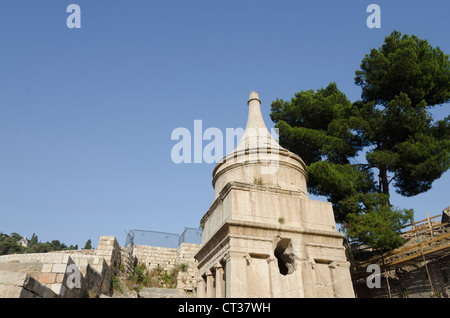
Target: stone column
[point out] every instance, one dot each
(334, 279)
(274, 277)
(307, 267)
(298, 274)
(219, 280)
(236, 273)
(341, 279)
(209, 285)
(201, 287)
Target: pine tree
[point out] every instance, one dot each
(400, 82)
(88, 245)
(33, 241)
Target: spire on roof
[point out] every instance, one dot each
(256, 134)
(259, 158)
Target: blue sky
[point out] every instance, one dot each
(86, 115)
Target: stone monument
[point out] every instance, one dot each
(263, 236)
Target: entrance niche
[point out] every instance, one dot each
(284, 253)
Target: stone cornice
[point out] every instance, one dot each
(246, 187)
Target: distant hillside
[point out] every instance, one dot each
(17, 244)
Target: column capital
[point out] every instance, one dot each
(247, 258)
(208, 273)
(199, 279)
(312, 262)
(230, 254)
(271, 259)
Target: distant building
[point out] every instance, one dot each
(23, 241)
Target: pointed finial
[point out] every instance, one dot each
(253, 96)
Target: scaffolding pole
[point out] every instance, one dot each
(423, 257)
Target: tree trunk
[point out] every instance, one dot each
(384, 183)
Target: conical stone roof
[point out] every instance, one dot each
(259, 159)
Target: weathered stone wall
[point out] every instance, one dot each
(21, 285)
(168, 258)
(50, 270)
(127, 260)
(56, 271)
(154, 256)
(52, 274)
(188, 273)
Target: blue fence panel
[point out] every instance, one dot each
(191, 235)
(163, 239)
(154, 238)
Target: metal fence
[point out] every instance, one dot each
(163, 239)
(129, 242)
(190, 235)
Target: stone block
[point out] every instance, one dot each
(58, 289)
(12, 292)
(27, 294)
(37, 287)
(446, 215)
(47, 268)
(60, 278)
(47, 278)
(28, 282)
(83, 262)
(48, 293)
(59, 268)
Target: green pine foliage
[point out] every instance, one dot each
(10, 245)
(356, 151)
(405, 64)
(88, 245)
(378, 227)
